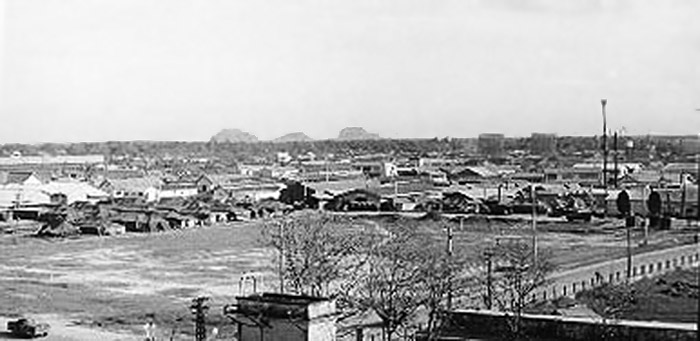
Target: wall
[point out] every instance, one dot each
(472, 323)
(177, 193)
(280, 331)
(322, 329)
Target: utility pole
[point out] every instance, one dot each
(281, 256)
(489, 280)
(449, 260)
(603, 103)
(199, 310)
(683, 194)
(624, 207)
(615, 175)
(533, 196)
(628, 227)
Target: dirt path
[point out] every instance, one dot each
(63, 329)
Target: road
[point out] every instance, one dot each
(648, 264)
(66, 330)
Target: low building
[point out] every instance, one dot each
(241, 187)
(280, 317)
(473, 174)
(142, 188)
(20, 178)
(582, 176)
(489, 325)
(19, 195)
(675, 172)
(355, 200)
(177, 189)
(327, 171)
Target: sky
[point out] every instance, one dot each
(99, 70)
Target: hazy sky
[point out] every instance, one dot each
(79, 70)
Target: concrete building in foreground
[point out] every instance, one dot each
(280, 317)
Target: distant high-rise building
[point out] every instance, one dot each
(543, 144)
(690, 145)
(491, 144)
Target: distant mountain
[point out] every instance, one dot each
(357, 133)
(233, 135)
(293, 137)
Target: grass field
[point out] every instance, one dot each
(115, 282)
(671, 297)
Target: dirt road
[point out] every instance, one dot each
(63, 329)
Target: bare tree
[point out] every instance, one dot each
(520, 274)
(316, 251)
(408, 277)
(444, 280)
(392, 283)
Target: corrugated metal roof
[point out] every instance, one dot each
(10, 194)
(41, 193)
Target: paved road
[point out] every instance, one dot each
(649, 264)
(571, 281)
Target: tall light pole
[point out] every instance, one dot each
(603, 103)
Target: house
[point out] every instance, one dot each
(473, 174)
(265, 171)
(458, 202)
(241, 187)
(75, 191)
(642, 178)
(136, 219)
(529, 177)
(255, 190)
(375, 169)
(329, 189)
(177, 189)
(355, 200)
(365, 326)
(20, 178)
(142, 188)
(35, 195)
(674, 172)
(585, 176)
(426, 162)
(327, 171)
(404, 203)
(591, 173)
(208, 182)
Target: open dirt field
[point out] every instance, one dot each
(114, 283)
(117, 281)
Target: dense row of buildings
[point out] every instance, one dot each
(368, 182)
